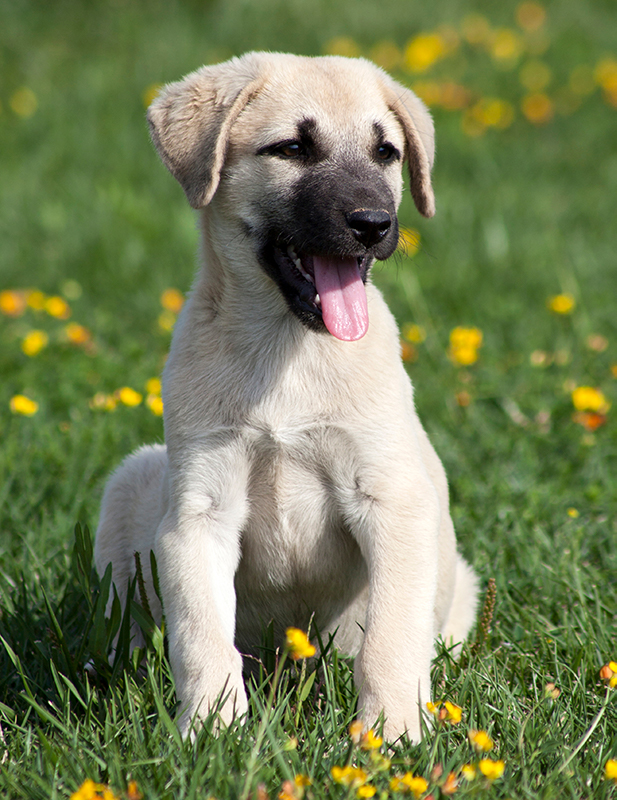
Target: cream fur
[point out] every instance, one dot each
(296, 477)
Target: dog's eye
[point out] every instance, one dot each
(386, 152)
(290, 150)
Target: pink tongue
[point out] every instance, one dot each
(343, 298)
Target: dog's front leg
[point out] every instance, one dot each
(398, 529)
(198, 550)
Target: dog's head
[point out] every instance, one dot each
(305, 155)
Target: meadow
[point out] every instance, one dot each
(506, 302)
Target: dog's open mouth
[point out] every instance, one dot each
(323, 289)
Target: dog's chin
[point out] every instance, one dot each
(293, 272)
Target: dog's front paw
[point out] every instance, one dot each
(212, 693)
(401, 702)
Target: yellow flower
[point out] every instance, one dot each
(610, 770)
(450, 785)
(302, 780)
(23, 102)
(505, 45)
(89, 790)
(57, 307)
(103, 402)
(466, 337)
(355, 731)
(586, 398)
(77, 334)
(36, 299)
(172, 300)
(605, 74)
(538, 108)
(155, 404)
(298, 644)
(408, 782)
(561, 303)
(12, 303)
(349, 776)
(491, 769)
(414, 333)
(34, 342)
(153, 386)
(573, 512)
(480, 740)
(476, 29)
(129, 397)
(423, 51)
(370, 742)
(20, 404)
(433, 708)
(455, 713)
(530, 16)
(132, 791)
(468, 771)
(167, 320)
(366, 791)
(408, 241)
(386, 54)
(342, 46)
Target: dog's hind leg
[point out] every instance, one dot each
(133, 505)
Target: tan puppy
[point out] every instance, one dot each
(297, 478)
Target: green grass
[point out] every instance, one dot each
(524, 213)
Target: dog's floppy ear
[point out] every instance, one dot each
(420, 137)
(190, 122)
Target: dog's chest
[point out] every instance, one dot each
(295, 546)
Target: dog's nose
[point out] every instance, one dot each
(369, 226)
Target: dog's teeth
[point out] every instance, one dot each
(318, 300)
(291, 251)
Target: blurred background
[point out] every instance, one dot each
(505, 298)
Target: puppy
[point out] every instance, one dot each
(296, 477)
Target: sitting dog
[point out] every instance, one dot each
(296, 479)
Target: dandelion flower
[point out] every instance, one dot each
(57, 307)
(167, 320)
(561, 303)
(132, 791)
(103, 402)
(20, 404)
(538, 109)
(409, 782)
(36, 299)
(586, 398)
(610, 770)
(355, 731)
(370, 742)
(129, 397)
(77, 334)
(481, 741)
(530, 16)
(153, 386)
(12, 303)
(423, 51)
(414, 333)
(450, 785)
(155, 404)
(491, 769)
(342, 46)
(172, 300)
(454, 712)
(299, 644)
(34, 342)
(349, 776)
(23, 102)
